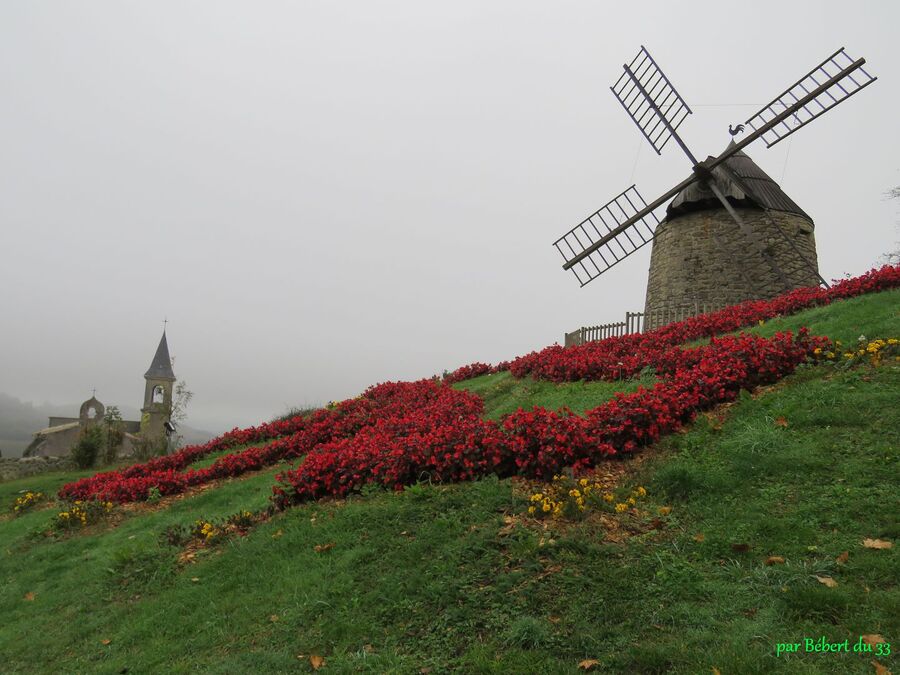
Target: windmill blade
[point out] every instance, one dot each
(651, 101)
(833, 81)
(600, 240)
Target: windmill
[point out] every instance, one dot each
(627, 222)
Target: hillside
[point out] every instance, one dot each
(751, 534)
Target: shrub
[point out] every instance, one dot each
(89, 444)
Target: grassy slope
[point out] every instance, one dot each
(455, 590)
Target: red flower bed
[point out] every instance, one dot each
(621, 357)
(399, 433)
(538, 443)
(388, 401)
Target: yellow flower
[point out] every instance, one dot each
(607, 497)
(620, 508)
(641, 492)
(632, 501)
(583, 482)
(531, 510)
(546, 507)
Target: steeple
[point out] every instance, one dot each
(159, 381)
(161, 368)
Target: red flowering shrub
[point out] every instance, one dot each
(540, 443)
(621, 357)
(467, 372)
(389, 401)
(399, 433)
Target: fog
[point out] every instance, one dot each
(321, 196)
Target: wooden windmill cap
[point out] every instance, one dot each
(767, 193)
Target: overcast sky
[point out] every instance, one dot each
(325, 195)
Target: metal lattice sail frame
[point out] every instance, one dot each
(657, 109)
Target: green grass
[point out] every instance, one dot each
(434, 578)
(503, 394)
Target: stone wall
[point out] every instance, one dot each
(690, 269)
(13, 468)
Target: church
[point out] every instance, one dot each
(63, 432)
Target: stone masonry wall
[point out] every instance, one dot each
(13, 468)
(690, 271)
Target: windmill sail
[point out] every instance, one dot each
(833, 81)
(598, 227)
(650, 100)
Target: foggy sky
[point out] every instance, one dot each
(322, 196)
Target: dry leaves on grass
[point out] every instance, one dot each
(873, 639)
(321, 548)
(29, 596)
(740, 548)
(842, 558)
(774, 560)
(699, 537)
(665, 510)
(316, 661)
(588, 664)
(827, 581)
(781, 422)
(105, 642)
(880, 669)
(876, 543)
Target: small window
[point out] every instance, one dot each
(159, 394)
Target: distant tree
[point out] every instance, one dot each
(180, 400)
(113, 434)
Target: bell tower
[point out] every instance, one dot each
(160, 379)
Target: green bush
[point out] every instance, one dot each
(89, 444)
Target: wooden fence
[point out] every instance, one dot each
(633, 323)
(637, 322)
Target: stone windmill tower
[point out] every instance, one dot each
(692, 264)
(731, 233)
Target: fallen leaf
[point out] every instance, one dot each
(873, 639)
(588, 664)
(29, 596)
(876, 543)
(273, 618)
(699, 537)
(740, 548)
(774, 560)
(828, 581)
(665, 510)
(842, 558)
(105, 642)
(880, 669)
(716, 671)
(316, 661)
(277, 534)
(553, 619)
(195, 579)
(321, 548)
(781, 422)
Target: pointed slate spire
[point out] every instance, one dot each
(161, 368)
